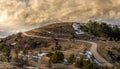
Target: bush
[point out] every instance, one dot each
(57, 57)
(49, 54)
(102, 30)
(20, 62)
(79, 63)
(71, 58)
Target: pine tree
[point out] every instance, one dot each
(57, 57)
(71, 58)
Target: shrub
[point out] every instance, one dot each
(57, 57)
(71, 58)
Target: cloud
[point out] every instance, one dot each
(20, 13)
(37, 11)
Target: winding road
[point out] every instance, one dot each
(93, 48)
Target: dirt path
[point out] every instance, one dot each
(93, 48)
(94, 51)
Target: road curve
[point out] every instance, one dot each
(93, 48)
(94, 51)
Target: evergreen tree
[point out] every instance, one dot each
(71, 58)
(57, 57)
(102, 30)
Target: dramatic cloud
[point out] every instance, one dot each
(19, 13)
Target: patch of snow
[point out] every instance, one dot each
(77, 29)
(81, 53)
(27, 56)
(65, 60)
(88, 54)
(100, 64)
(21, 51)
(42, 54)
(32, 67)
(20, 54)
(77, 57)
(79, 32)
(35, 56)
(13, 44)
(48, 32)
(76, 26)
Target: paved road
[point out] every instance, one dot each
(93, 48)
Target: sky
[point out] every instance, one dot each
(22, 15)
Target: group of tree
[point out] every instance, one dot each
(6, 50)
(56, 57)
(57, 46)
(71, 59)
(114, 57)
(20, 62)
(83, 64)
(102, 29)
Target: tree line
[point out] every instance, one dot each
(102, 29)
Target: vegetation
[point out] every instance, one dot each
(79, 63)
(57, 46)
(7, 54)
(71, 58)
(7, 51)
(83, 64)
(57, 57)
(49, 54)
(102, 30)
(26, 43)
(20, 62)
(49, 64)
(114, 57)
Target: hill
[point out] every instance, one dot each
(65, 37)
(60, 30)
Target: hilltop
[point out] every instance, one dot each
(68, 38)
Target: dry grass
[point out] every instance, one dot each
(105, 46)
